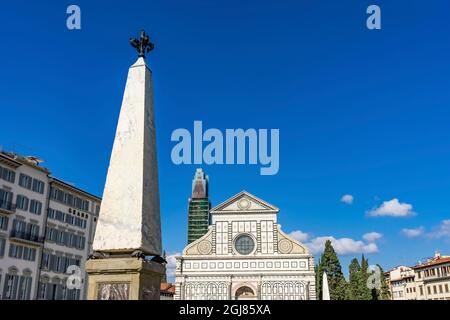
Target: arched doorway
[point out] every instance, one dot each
(245, 293)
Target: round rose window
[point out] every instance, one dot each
(244, 244)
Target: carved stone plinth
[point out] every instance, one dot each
(124, 279)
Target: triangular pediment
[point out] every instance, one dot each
(244, 202)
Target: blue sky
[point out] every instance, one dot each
(360, 112)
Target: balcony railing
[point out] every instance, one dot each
(26, 236)
(8, 206)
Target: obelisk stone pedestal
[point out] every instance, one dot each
(124, 279)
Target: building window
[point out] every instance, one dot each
(2, 246)
(51, 213)
(446, 287)
(25, 181)
(10, 289)
(244, 244)
(434, 290)
(38, 186)
(19, 226)
(68, 199)
(6, 200)
(24, 288)
(70, 219)
(45, 263)
(34, 231)
(7, 175)
(61, 238)
(429, 290)
(35, 207)
(29, 254)
(440, 289)
(15, 251)
(3, 223)
(85, 205)
(42, 291)
(22, 202)
(60, 216)
(421, 290)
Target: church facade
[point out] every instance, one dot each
(245, 256)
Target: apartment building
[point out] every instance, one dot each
(401, 281)
(428, 280)
(432, 278)
(46, 232)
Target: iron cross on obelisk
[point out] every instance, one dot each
(142, 45)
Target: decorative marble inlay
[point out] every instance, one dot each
(285, 246)
(113, 291)
(244, 204)
(204, 247)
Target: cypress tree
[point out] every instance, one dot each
(383, 293)
(319, 272)
(330, 264)
(365, 292)
(353, 289)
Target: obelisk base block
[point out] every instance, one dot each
(124, 279)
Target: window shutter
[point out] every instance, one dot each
(2, 247)
(14, 291)
(49, 293)
(5, 287)
(21, 288)
(29, 282)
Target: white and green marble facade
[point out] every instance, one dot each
(276, 268)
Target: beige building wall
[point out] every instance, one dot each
(432, 279)
(23, 199)
(402, 283)
(25, 221)
(429, 280)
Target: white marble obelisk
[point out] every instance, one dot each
(129, 218)
(325, 288)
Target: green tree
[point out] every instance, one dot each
(330, 264)
(318, 271)
(353, 288)
(365, 292)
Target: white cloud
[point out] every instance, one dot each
(299, 235)
(171, 265)
(348, 199)
(413, 233)
(443, 231)
(392, 208)
(372, 236)
(342, 246)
